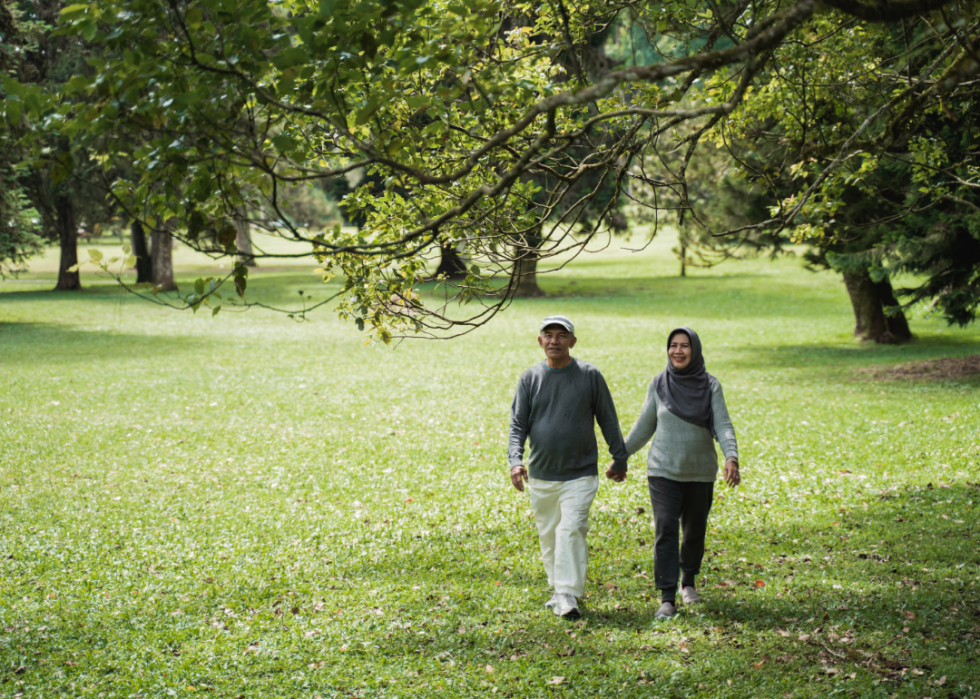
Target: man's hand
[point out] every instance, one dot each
(618, 476)
(732, 476)
(518, 475)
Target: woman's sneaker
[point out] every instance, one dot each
(666, 611)
(689, 595)
(553, 603)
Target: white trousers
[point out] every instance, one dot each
(561, 511)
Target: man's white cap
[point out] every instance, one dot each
(558, 320)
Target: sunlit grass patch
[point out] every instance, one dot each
(250, 506)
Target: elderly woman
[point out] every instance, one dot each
(685, 413)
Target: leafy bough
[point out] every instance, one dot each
(478, 125)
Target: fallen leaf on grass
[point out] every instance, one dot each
(804, 637)
(909, 615)
(489, 668)
(784, 634)
(759, 583)
(556, 680)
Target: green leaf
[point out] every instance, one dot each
(13, 86)
(283, 143)
(96, 255)
(131, 260)
(74, 9)
(90, 30)
(193, 18)
(241, 283)
(199, 286)
(366, 112)
(14, 111)
(214, 311)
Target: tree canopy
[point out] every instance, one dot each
(481, 119)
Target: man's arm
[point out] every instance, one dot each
(520, 419)
(605, 413)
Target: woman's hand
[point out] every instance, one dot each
(732, 476)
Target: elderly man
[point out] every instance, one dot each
(557, 405)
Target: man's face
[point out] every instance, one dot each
(556, 341)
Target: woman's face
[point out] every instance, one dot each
(679, 350)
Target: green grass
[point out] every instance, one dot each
(250, 506)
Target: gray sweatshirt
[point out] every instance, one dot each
(682, 451)
(557, 409)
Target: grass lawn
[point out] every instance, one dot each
(248, 506)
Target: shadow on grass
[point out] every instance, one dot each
(858, 355)
(54, 343)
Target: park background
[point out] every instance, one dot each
(251, 506)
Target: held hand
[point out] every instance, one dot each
(518, 475)
(618, 476)
(732, 476)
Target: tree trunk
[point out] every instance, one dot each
(525, 276)
(163, 259)
(64, 219)
(869, 299)
(144, 263)
(243, 239)
(450, 263)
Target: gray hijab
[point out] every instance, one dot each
(687, 392)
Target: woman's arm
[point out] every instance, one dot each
(724, 430)
(645, 425)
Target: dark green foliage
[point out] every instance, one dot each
(942, 247)
(20, 230)
(19, 221)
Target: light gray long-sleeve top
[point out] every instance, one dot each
(682, 451)
(557, 410)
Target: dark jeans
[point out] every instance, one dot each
(678, 508)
